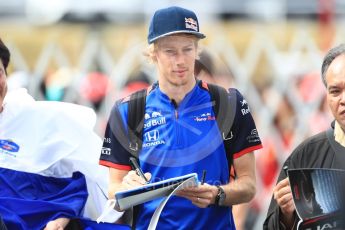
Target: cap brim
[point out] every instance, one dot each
(197, 34)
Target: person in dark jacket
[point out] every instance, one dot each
(324, 150)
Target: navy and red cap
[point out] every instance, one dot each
(173, 20)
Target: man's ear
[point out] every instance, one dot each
(154, 57)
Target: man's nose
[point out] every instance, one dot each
(342, 98)
(180, 58)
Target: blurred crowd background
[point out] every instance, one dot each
(90, 52)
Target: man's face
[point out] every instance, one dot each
(175, 58)
(3, 84)
(335, 78)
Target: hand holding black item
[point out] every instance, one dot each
(283, 196)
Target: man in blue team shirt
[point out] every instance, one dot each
(181, 135)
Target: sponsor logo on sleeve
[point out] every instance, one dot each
(107, 140)
(106, 151)
(245, 108)
(253, 137)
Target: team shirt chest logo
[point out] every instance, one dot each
(154, 119)
(152, 138)
(204, 117)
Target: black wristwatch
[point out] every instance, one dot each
(220, 198)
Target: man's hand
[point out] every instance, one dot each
(283, 196)
(121, 180)
(201, 196)
(58, 224)
(132, 180)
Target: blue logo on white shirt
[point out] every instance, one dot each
(9, 146)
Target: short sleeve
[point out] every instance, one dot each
(244, 135)
(115, 152)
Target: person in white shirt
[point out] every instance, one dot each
(51, 148)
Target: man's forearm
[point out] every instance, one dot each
(239, 191)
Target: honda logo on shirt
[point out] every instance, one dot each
(151, 135)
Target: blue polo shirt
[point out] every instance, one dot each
(178, 140)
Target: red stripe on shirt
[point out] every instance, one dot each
(247, 150)
(116, 166)
(204, 85)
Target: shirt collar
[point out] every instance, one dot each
(339, 134)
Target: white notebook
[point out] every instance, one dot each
(130, 198)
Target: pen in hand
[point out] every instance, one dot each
(203, 177)
(137, 168)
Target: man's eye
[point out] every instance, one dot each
(334, 91)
